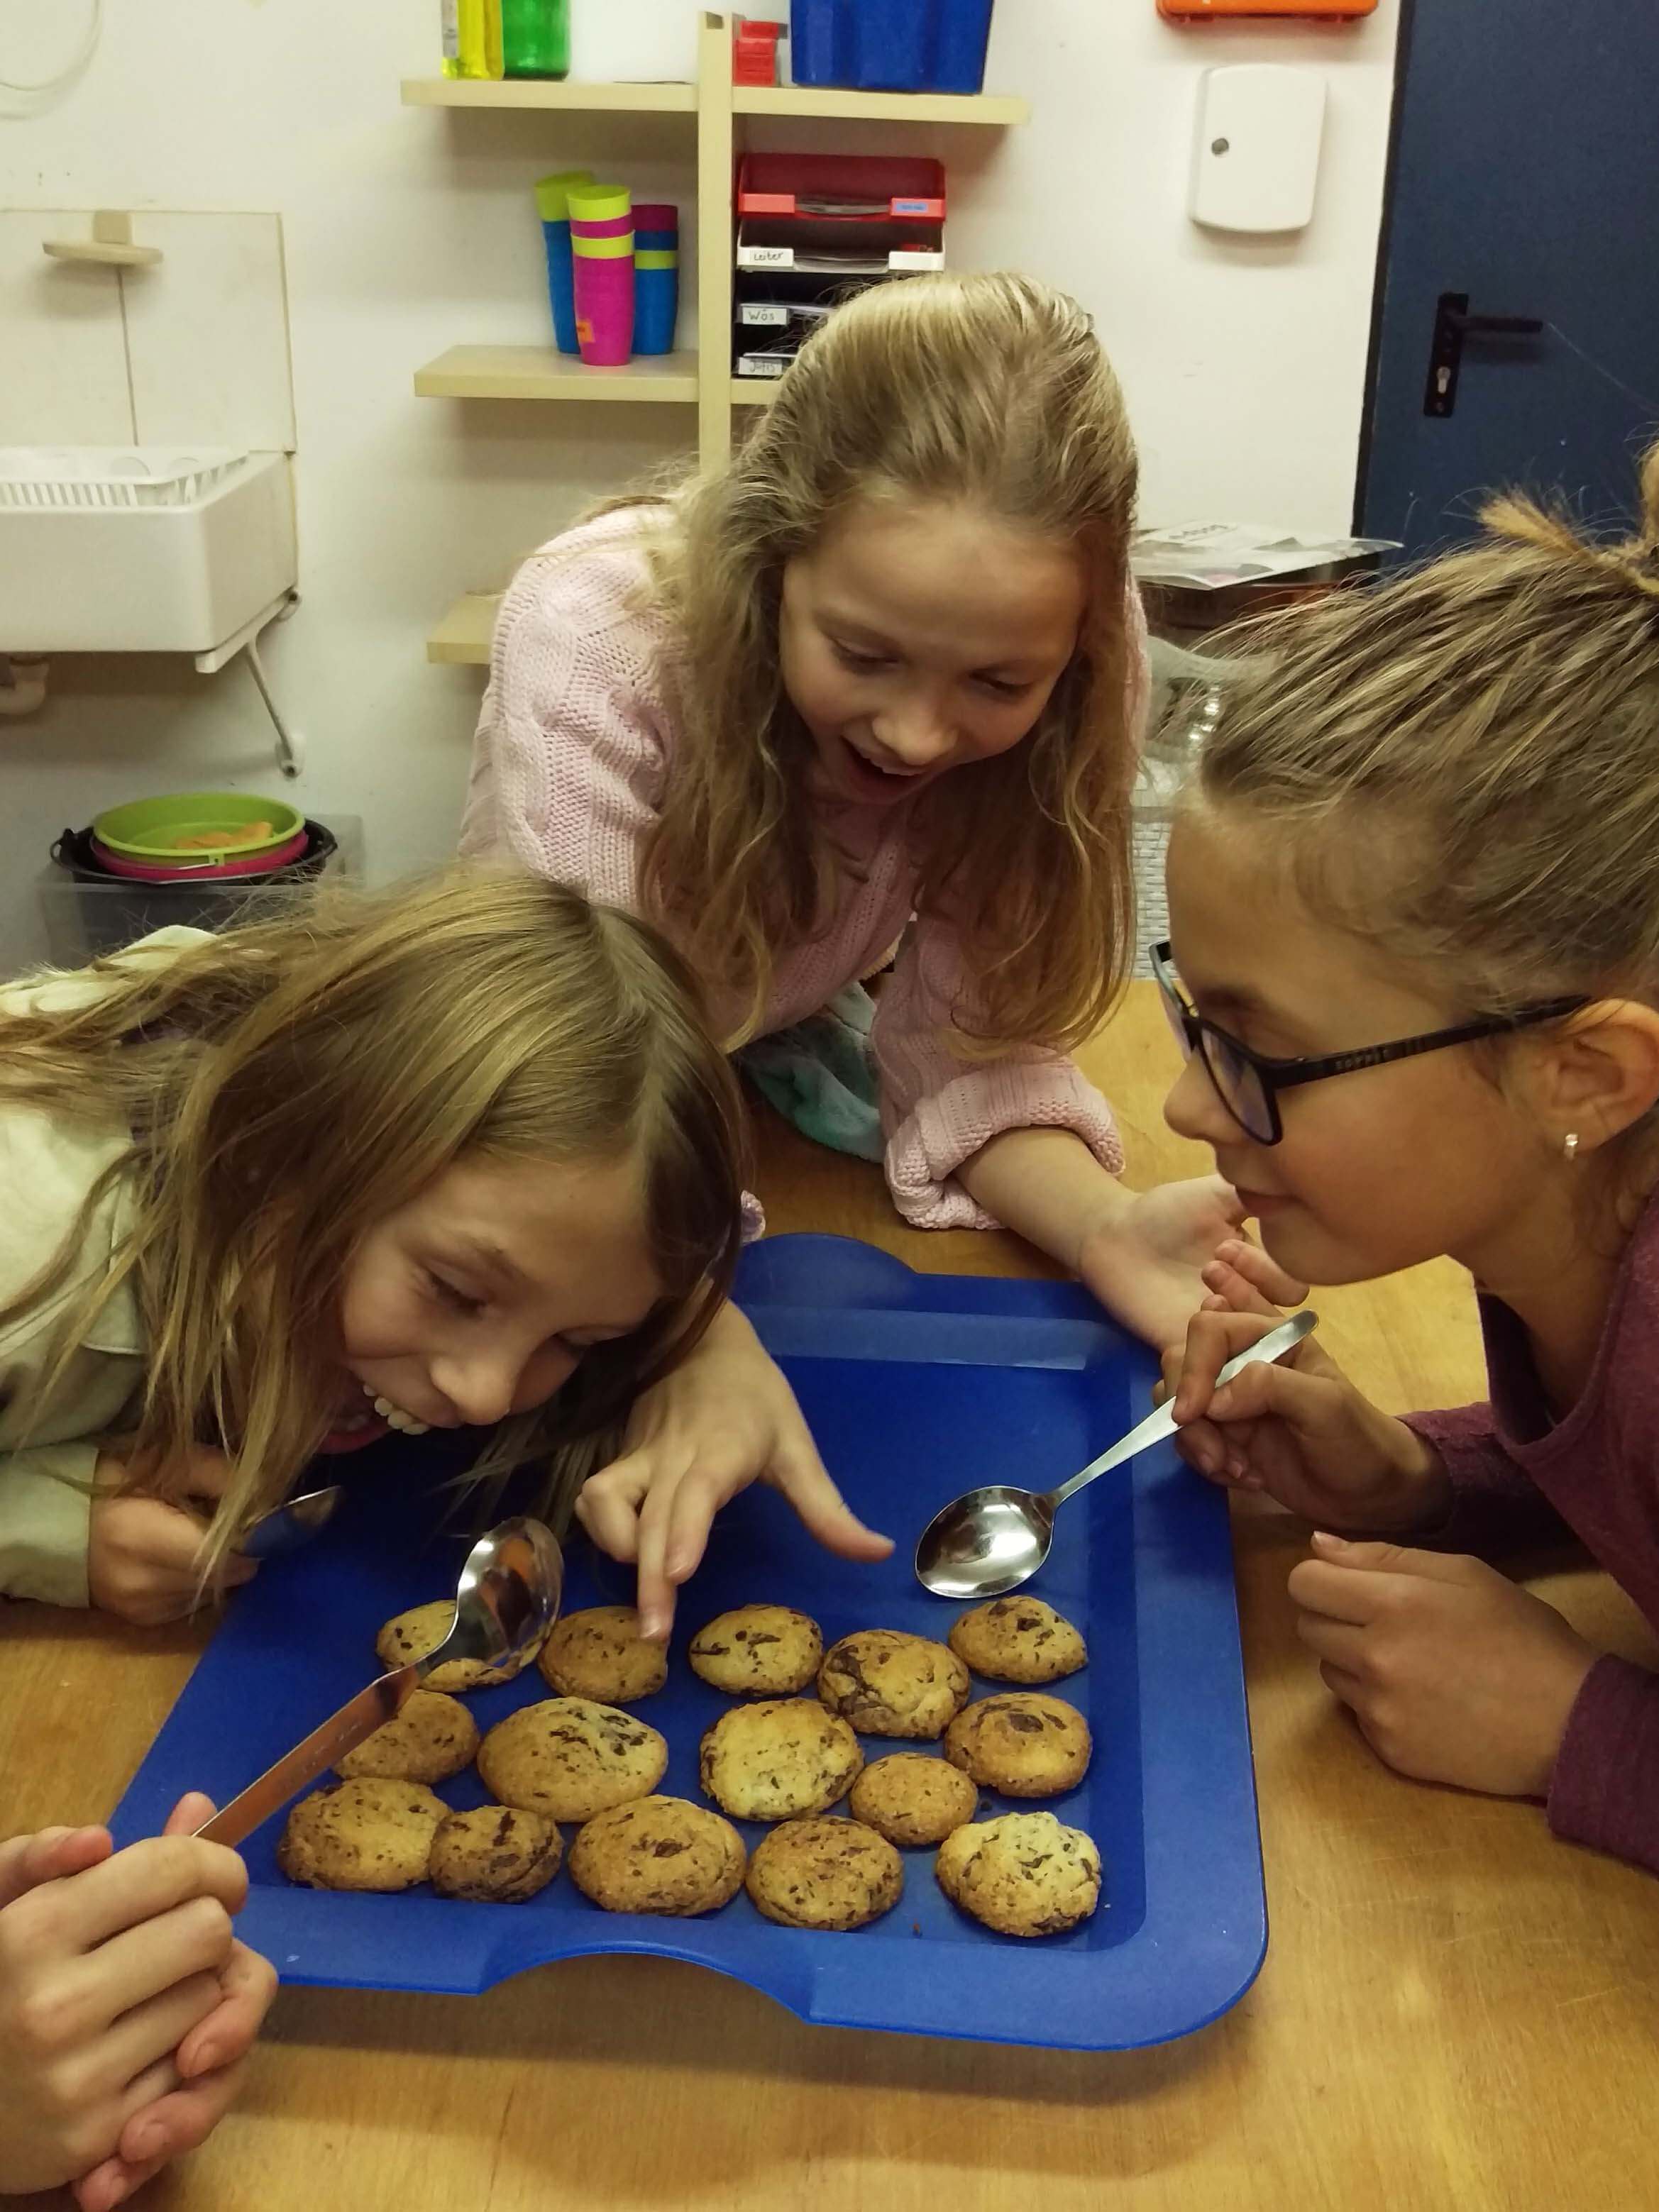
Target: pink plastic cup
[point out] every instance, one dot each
(602, 273)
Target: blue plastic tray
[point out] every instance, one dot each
(916, 1386)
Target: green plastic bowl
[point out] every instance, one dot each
(166, 829)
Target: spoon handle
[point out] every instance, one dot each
(341, 1733)
(1156, 1426)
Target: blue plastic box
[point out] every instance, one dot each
(891, 46)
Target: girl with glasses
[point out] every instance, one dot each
(1414, 962)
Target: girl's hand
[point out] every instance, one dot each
(1453, 1674)
(210, 2063)
(1298, 1429)
(119, 1973)
(1142, 1258)
(142, 1561)
(1242, 1276)
(724, 1419)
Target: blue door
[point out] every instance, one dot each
(1517, 327)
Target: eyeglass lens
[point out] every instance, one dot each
(1239, 1086)
(1237, 1083)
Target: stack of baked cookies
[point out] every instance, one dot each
(777, 1756)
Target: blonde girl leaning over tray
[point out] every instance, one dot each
(459, 1155)
(881, 674)
(1438, 805)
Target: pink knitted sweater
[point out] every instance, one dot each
(569, 768)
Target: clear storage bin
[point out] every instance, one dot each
(84, 919)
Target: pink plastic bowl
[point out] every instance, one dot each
(182, 872)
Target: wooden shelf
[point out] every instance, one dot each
(999, 109)
(699, 375)
(546, 92)
(495, 372)
(110, 256)
(462, 638)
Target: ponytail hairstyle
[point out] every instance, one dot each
(1461, 764)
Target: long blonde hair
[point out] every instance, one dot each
(988, 390)
(1462, 765)
(289, 1084)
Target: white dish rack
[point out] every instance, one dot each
(146, 439)
(148, 548)
(111, 475)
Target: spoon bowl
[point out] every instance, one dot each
(506, 1599)
(978, 1542)
(988, 1542)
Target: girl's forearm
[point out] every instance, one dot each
(1048, 1187)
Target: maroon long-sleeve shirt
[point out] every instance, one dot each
(1517, 1473)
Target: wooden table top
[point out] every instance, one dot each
(1454, 2010)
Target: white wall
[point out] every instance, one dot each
(408, 231)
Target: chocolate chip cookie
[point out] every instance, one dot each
(570, 1758)
(411, 1635)
(1018, 1639)
(601, 1654)
(495, 1855)
(369, 1834)
(1022, 1743)
(824, 1874)
(913, 1799)
(757, 1652)
(888, 1684)
(659, 1855)
(1023, 1875)
(771, 1761)
(432, 1738)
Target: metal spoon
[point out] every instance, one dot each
(991, 1541)
(506, 1599)
(286, 1528)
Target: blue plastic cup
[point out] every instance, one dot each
(553, 204)
(656, 276)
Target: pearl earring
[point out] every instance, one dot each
(1570, 1146)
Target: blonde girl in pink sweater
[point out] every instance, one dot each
(877, 679)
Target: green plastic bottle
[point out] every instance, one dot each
(536, 38)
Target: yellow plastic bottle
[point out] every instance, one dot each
(476, 38)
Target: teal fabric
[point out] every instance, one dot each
(821, 1075)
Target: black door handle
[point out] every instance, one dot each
(1508, 327)
(1453, 323)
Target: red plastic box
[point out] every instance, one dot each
(843, 187)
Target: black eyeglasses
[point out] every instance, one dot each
(1249, 1083)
